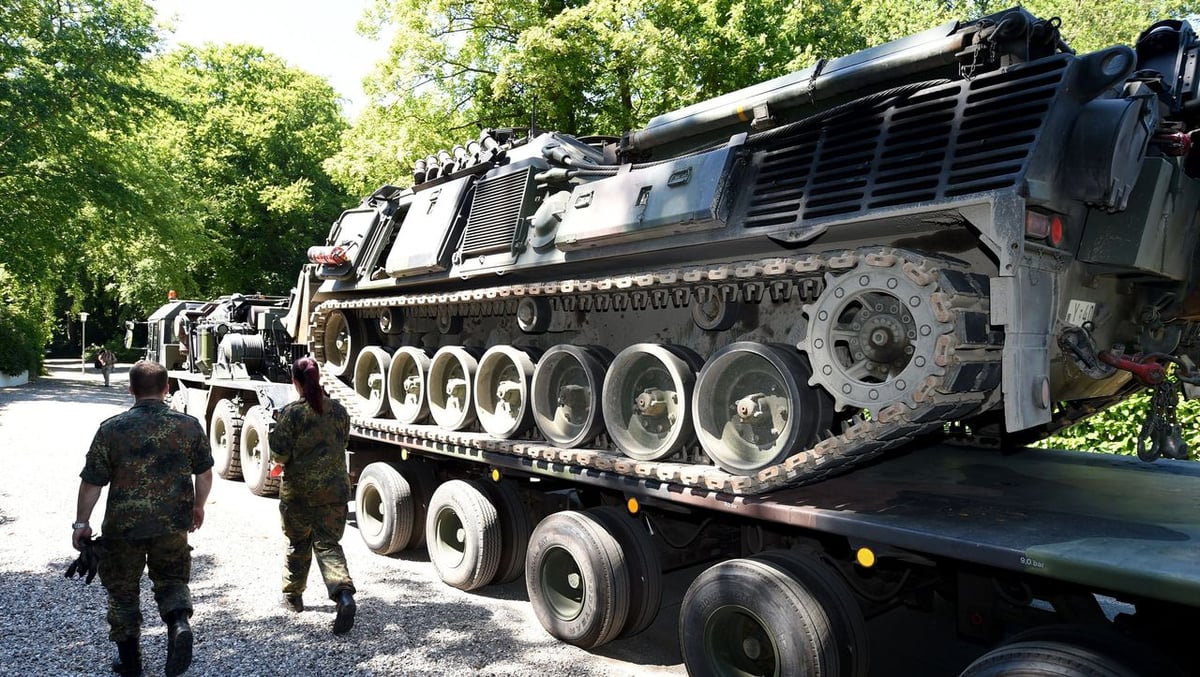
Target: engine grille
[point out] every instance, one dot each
(497, 212)
(943, 142)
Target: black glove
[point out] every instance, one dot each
(88, 563)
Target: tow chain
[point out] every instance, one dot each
(1161, 434)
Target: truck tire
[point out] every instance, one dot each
(256, 452)
(645, 569)
(746, 616)
(384, 509)
(224, 437)
(462, 534)
(1126, 651)
(1038, 658)
(514, 531)
(577, 579)
(849, 624)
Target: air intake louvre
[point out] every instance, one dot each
(497, 213)
(947, 141)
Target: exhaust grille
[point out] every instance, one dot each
(498, 211)
(944, 142)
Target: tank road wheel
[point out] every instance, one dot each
(647, 400)
(406, 378)
(514, 530)
(502, 390)
(749, 617)
(224, 435)
(753, 406)
(849, 624)
(384, 509)
(645, 569)
(462, 532)
(256, 452)
(370, 380)
(567, 383)
(577, 579)
(450, 391)
(872, 335)
(341, 342)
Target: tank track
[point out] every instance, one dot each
(966, 360)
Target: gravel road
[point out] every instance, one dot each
(409, 622)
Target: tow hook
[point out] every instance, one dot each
(1145, 369)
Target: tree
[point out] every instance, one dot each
(247, 139)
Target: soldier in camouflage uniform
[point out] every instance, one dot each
(309, 443)
(147, 457)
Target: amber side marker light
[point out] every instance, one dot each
(865, 557)
(631, 504)
(495, 474)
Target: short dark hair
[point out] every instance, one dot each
(147, 379)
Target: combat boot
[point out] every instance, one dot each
(179, 643)
(129, 658)
(345, 612)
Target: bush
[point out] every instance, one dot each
(20, 343)
(1116, 429)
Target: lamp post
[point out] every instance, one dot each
(83, 343)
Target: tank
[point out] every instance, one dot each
(973, 232)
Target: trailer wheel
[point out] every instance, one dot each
(224, 436)
(514, 531)
(383, 508)
(462, 533)
(256, 452)
(844, 613)
(1126, 651)
(577, 579)
(645, 570)
(750, 617)
(1046, 658)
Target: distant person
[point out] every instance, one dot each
(107, 360)
(309, 444)
(147, 457)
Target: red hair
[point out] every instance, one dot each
(306, 374)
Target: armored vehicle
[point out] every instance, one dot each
(973, 230)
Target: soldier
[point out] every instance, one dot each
(309, 444)
(107, 359)
(147, 457)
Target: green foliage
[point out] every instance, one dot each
(1115, 430)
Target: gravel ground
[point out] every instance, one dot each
(409, 622)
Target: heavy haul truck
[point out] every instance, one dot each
(800, 332)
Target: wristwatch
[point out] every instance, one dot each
(79, 525)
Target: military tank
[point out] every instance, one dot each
(971, 231)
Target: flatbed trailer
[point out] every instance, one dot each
(1017, 543)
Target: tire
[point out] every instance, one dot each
(849, 624)
(224, 437)
(645, 569)
(746, 616)
(1046, 658)
(514, 531)
(1125, 651)
(255, 450)
(178, 400)
(462, 534)
(577, 579)
(384, 509)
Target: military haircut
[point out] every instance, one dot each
(147, 379)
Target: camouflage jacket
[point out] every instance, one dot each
(311, 447)
(147, 457)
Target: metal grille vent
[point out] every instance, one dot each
(497, 213)
(947, 141)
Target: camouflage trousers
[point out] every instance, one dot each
(315, 529)
(169, 559)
